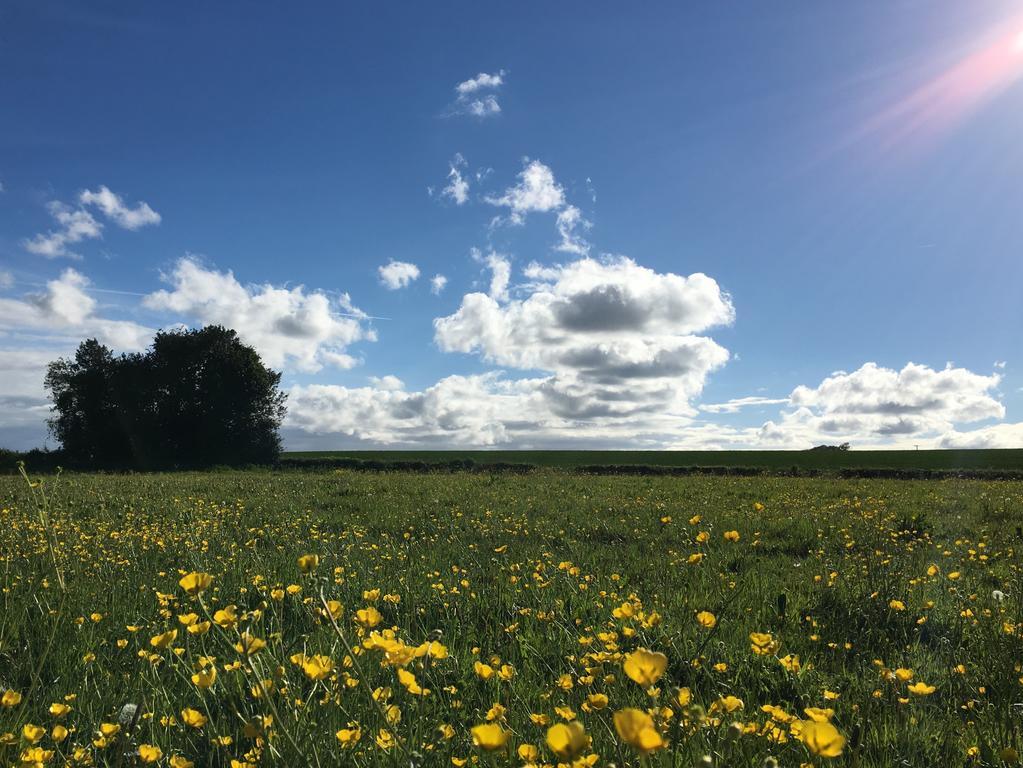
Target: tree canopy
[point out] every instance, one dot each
(194, 398)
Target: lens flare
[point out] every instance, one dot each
(955, 94)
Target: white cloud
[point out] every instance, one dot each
(437, 284)
(289, 327)
(481, 81)
(500, 272)
(734, 406)
(607, 352)
(470, 101)
(536, 190)
(6, 279)
(994, 436)
(458, 186)
(484, 107)
(915, 400)
(65, 308)
(570, 220)
(75, 225)
(114, 208)
(78, 224)
(397, 274)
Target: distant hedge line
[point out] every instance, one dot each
(48, 461)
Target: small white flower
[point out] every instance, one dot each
(998, 596)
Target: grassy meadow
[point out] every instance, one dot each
(967, 459)
(318, 618)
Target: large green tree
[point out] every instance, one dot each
(195, 398)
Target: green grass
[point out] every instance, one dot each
(1002, 459)
(530, 571)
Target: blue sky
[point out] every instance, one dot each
(848, 177)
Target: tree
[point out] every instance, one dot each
(195, 398)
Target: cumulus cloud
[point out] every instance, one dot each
(289, 327)
(65, 308)
(437, 284)
(875, 406)
(536, 190)
(607, 352)
(471, 99)
(397, 274)
(114, 208)
(915, 400)
(77, 223)
(994, 436)
(457, 188)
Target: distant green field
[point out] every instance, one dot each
(1009, 459)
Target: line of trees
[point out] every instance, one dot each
(195, 398)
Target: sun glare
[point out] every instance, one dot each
(1019, 43)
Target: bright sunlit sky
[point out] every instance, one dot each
(572, 224)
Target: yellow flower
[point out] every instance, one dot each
(727, 704)
(162, 641)
(109, 729)
(318, 667)
(335, 609)
(528, 753)
(706, 619)
(193, 584)
(791, 662)
(368, 617)
(177, 761)
(199, 628)
(36, 757)
(819, 715)
(822, 739)
(349, 736)
(636, 728)
(193, 718)
(33, 733)
(645, 667)
(308, 563)
(567, 740)
(408, 680)
(684, 697)
(903, 675)
(149, 753)
(732, 536)
(11, 698)
(483, 671)
(762, 643)
(595, 702)
(896, 605)
(249, 644)
(226, 617)
(59, 710)
(694, 558)
(921, 689)
(205, 678)
(490, 736)
(59, 733)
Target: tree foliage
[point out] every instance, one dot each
(195, 398)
